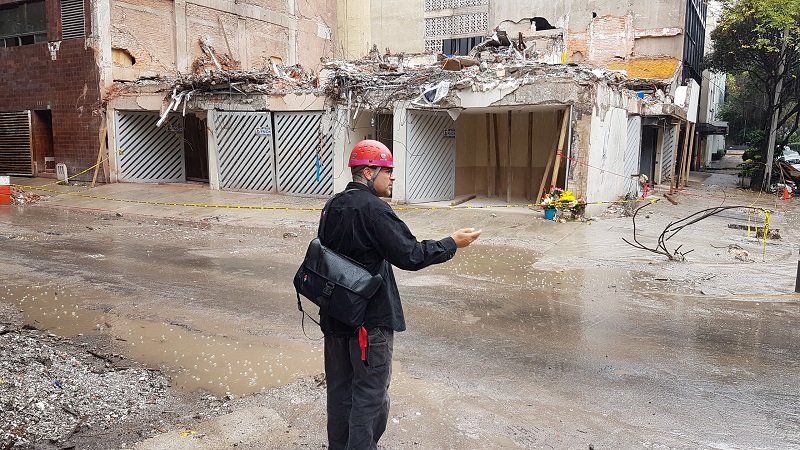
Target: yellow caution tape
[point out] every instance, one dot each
(292, 208)
(187, 433)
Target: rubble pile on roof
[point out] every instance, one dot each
(278, 80)
(378, 80)
(375, 83)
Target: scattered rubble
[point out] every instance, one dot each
(377, 80)
(49, 394)
(20, 196)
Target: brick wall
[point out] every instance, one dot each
(67, 86)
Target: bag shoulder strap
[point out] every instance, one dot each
(324, 214)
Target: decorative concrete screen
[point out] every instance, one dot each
(438, 5)
(455, 25)
(147, 153)
(304, 152)
(431, 157)
(245, 154)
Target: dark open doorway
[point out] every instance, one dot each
(195, 148)
(384, 129)
(42, 142)
(647, 162)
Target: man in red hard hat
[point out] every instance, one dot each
(364, 228)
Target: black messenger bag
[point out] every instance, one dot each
(340, 286)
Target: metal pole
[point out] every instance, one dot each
(774, 122)
(797, 279)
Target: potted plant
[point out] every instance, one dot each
(575, 206)
(551, 201)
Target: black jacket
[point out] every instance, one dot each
(363, 227)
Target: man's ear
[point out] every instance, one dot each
(365, 172)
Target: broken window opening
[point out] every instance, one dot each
(23, 24)
(460, 46)
(122, 57)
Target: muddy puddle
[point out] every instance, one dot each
(504, 265)
(195, 356)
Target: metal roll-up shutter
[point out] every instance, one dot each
(431, 157)
(147, 153)
(16, 155)
(304, 153)
(245, 154)
(73, 19)
(633, 150)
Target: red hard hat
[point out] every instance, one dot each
(371, 153)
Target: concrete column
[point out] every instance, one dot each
(213, 161)
(293, 32)
(113, 155)
(241, 38)
(399, 147)
(342, 143)
(101, 42)
(179, 36)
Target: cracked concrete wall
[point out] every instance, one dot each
(163, 36)
(394, 24)
(599, 32)
(397, 25)
(139, 27)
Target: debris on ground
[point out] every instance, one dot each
(20, 196)
(50, 395)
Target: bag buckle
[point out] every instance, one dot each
(328, 290)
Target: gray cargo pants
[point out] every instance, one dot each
(358, 398)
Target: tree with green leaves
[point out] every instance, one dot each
(757, 42)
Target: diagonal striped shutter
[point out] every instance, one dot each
(15, 143)
(431, 157)
(146, 153)
(669, 142)
(304, 152)
(633, 150)
(245, 152)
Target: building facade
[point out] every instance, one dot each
(643, 123)
(64, 62)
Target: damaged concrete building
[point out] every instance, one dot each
(624, 74)
(66, 64)
(474, 97)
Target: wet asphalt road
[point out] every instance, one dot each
(502, 351)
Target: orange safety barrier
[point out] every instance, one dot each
(5, 195)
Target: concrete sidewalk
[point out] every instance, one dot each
(196, 202)
(190, 202)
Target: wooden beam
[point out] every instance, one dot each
(508, 161)
(103, 134)
(550, 161)
(496, 156)
(672, 183)
(560, 150)
(529, 184)
(682, 168)
(689, 154)
(488, 156)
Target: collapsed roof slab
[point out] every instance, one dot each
(546, 92)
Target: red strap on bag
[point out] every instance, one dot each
(362, 342)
